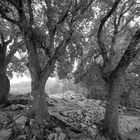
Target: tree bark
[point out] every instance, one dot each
(40, 107)
(111, 114)
(39, 78)
(4, 81)
(39, 102)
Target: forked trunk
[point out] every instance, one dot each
(39, 78)
(111, 130)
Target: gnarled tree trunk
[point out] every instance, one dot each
(4, 88)
(40, 107)
(38, 80)
(4, 81)
(111, 115)
(39, 101)
(111, 129)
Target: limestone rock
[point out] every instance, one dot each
(21, 137)
(18, 106)
(128, 123)
(62, 136)
(3, 118)
(20, 120)
(93, 132)
(5, 134)
(69, 94)
(52, 136)
(57, 136)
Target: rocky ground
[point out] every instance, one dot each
(75, 118)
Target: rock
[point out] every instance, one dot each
(58, 129)
(69, 94)
(51, 102)
(134, 100)
(20, 120)
(5, 134)
(21, 137)
(83, 125)
(128, 123)
(98, 102)
(62, 136)
(57, 136)
(3, 118)
(52, 136)
(18, 106)
(92, 131)
(94, 126)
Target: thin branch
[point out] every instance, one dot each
(127, 22)
(13, 51)
(2, 39)
(63, 44)
(8, 41)
(128, 7)
(62, 19)
(3, 15)
(86, 7)
(13, 2)
(30, 12)
(124, 11)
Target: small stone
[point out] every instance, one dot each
(21, 121)
(58, 129)
(14, 107)
(79, 112)
(21, 137)
(5, 134)
(52, 136)
(3, 118)
(83, 125)
(92, 132)
(87, 118)
(98, 102)
(94, 126)
(62, 136)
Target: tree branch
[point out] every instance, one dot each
(127, 22)
(100, 30)
(62, 19)
(13, 51)
(3, 15)
(127, 8)
(8, 41)
(63, 44)
(86, 7)
(13, 2)
(128, 55)
(30, 12)
(2, 39)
